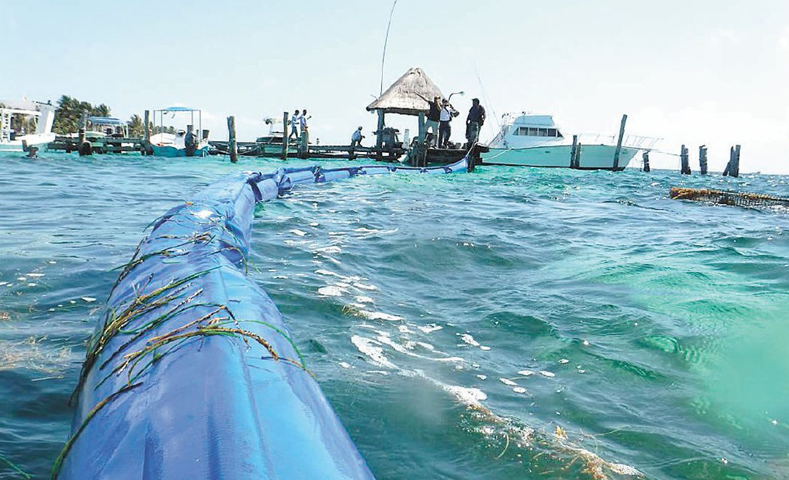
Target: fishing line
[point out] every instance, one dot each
(386, 40)
(485, 96)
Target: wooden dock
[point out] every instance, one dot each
(295, 150)
(112, 145)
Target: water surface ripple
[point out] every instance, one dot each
(510, 323)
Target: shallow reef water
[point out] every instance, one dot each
(508, 323)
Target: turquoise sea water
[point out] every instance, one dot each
(509, 323)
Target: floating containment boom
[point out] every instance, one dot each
(740, 199)
(192, 372)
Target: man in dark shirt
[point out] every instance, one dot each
(433, 117)
(474, 121)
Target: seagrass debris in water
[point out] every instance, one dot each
(192, 372)
(720, 197)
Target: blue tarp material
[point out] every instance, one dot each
(192, 373)
(106, 121)
(178, 109)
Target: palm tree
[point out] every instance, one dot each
(135, 126)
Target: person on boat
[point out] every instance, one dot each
(433, 116)
(445, 129)
(474, 121)
(356, 138)
(190, 141)
(295, 121)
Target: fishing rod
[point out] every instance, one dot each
(386, 40)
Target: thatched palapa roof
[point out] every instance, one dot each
(402, 96)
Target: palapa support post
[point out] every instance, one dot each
(685, 163)
(703, 159)
(232, 145)
(619, 142)
(645, 158)
(147, 132)
(421, 151)
(285, 137)
(573, 152)
(304, 147)
(379, 134)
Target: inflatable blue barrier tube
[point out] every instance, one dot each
(192, 373)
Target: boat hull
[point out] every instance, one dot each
(173, 152)
(592, 157)
(38, 140)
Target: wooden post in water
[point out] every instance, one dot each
(645, 157)
(147, 129)
(685, 163)
(619, 142)
(703, 159)
(734, 171)
(285, 137)
(304, 146)
(573, 152)
(232, 145)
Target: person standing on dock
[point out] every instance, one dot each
(444, 128)
(303, 129)
(356, 138)
(474, 121)
(294, 125)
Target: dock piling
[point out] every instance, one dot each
(619, 141)
(304, 147)
(685, 163)
(703, 159)
(285, 137)
(233, 146)
(645, 158)
(574, 153)
(733, 167)
(147, 129)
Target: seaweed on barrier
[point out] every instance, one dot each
(141, 303)
(16, 469)
(88, 417)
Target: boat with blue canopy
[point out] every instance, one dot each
(182, 142)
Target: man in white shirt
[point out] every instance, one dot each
(303, 124)
(444, 128)
(294, 125)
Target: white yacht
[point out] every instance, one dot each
(13, 137)
(536, 141)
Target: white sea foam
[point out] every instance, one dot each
(379, 316)
(469, 339)
(430, 328)
(525, 373)
(330, 291)
(298, 232)
(370, 348)
(508, 382)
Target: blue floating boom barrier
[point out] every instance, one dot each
(192, 372)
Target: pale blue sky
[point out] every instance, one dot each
(705, 71)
